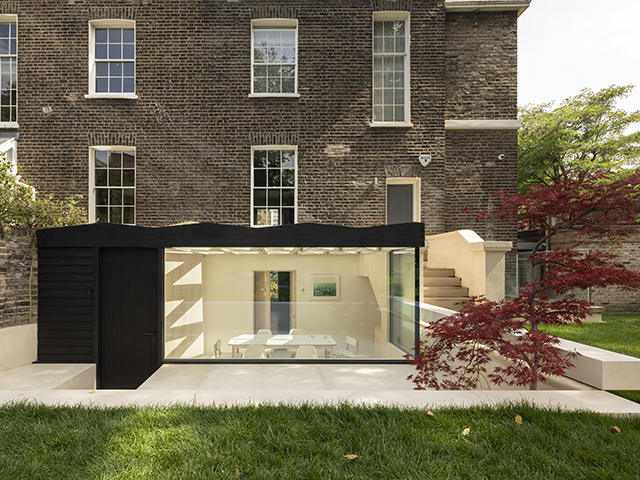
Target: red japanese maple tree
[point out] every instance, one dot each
(458, 349)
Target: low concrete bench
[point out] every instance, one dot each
(49, 376)
(601, 368)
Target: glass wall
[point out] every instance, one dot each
(289, 303)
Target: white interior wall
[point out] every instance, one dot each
(229, 297)
(184, 328)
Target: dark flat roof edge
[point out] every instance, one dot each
(218, 235)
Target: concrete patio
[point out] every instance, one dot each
(280, 383)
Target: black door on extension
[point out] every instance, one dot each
(129, 322)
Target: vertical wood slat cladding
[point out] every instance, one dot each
(66, 297)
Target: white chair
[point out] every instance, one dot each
(217, 350)
(294, 331)
(307, 351)
(266, 331)
(352, 350)
(255, 351)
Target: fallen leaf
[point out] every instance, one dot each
(466, 431)
(249, 442)
(93, 391)
(237, 473)
(614, 429)
(351, 456)
(518, 419)
(75, 430)
(430, 413)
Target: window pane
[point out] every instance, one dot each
(115, 196)
(260, 158)
(260, 71)
(101, 35)
(102, 215)
(128, 178)
(399, 96)
(102, 196)
(13, 48)
(289, 38)
(399, 112)
(378, 62)
(115, 35)
(260, 178)
(128, 52)
(274, 37)
(259, 38)
(128, 35)
(260, 85)
(273, 55)
(115, 214)
(4, 46)
(115, 159)
(288, 197)
(388, 114)
(101, 52)
(377, 96)
(377, 114)
(101, 157)
(288, 85)
(115, 69)
(378, 29)
(274, 197)
(259, 216)
(274, 178)
(274, 158)
(377, 79)
(259, 55)
(388, 44)
(128, 159)
(115, 85)
(115, 51)
(128, 196)
(4, 30)
(129, 69)
(115, 178)
(259, 197)
(398, 61)
(288, 158)
(398, 28)
(288, 178)
(128, 85)
(273, 70)
(102, 84)
(288, 216)
(101, 178)
(388, 96)
(288, 55)
(102, 69)
(399, 44)
(129, 215)
(378, 45)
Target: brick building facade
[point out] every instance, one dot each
(192, 127)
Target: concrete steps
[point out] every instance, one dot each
(442, 288)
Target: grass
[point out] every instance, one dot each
(307, 442)
(619, 333)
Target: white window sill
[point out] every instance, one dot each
(9, 125)
(274, 95)
(120, 96)
(391, 124)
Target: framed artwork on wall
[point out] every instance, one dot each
(325, 287)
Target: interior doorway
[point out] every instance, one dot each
(274, 293)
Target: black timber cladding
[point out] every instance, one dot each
(215, 235)
(66, 305)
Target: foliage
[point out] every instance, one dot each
(459, 348)
(19, 206)
(585, 133)
(39, 442)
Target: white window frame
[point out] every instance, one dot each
(108, 23)
(289, 24)
(385, 17)
(11, 18)
(295, 186)
(92, 177)
(415, 181)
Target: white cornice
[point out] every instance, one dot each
(482, 124)
(486, 5)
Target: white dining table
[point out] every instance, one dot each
(283, 341)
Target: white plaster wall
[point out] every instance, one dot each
(229, 296)
(18, 346)
(184, 327)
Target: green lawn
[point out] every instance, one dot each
(619, 333)
(288, 443)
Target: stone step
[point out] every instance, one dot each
(441, 282)
(429, 292)
(446, 302)
(438, 272)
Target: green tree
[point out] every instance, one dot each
(20, 207)
(585, 133)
